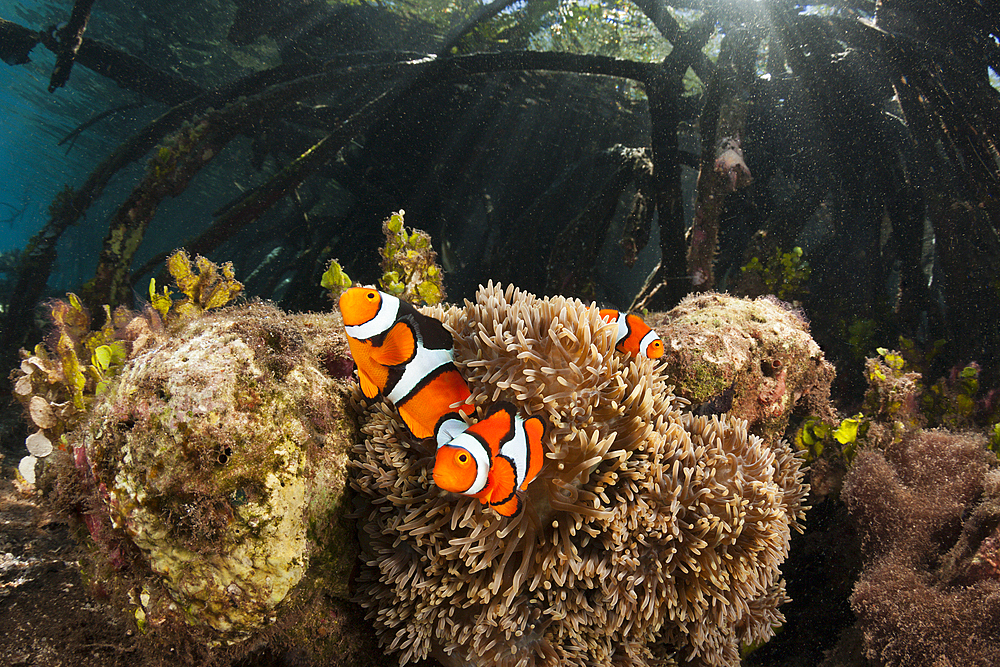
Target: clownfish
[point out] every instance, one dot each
(493, 459)
(405, 356)
(634, 335)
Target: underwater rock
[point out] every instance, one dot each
(927, 508)
(649, 535)
(212, 475)
(751, 358)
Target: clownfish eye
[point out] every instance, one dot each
(463, 458)
(371, 295)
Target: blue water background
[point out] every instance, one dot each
(34, 168)
(186, 37)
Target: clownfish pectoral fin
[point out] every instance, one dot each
(635, 323)
(510, 508)
(398, 347)
(502, 484)
(372, 376)
(534, 431)
(369, 388)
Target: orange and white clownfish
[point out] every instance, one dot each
(406, 356)
(634, 335)
(493, 459)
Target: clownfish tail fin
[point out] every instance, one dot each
(534, 431)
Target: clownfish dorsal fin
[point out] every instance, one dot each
(609, 314)
(398, 347)
(497, 426)
(637, 327)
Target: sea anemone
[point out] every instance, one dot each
(648, 533)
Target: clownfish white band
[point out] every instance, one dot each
(384, 318)
(481, 456)
(449, 429)
(622, 328)
(516, 450)
(646, 341)
(423, 365)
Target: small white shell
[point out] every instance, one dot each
(38, 445)
(41, 412)
(27, 469)
(23, 386)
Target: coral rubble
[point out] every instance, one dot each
(649, 533)
(928, 509)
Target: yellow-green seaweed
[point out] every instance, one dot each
(205, 286)
(409, 264)
(335, 280)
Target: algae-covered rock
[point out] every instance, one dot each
(214, 477)
(752, 358)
